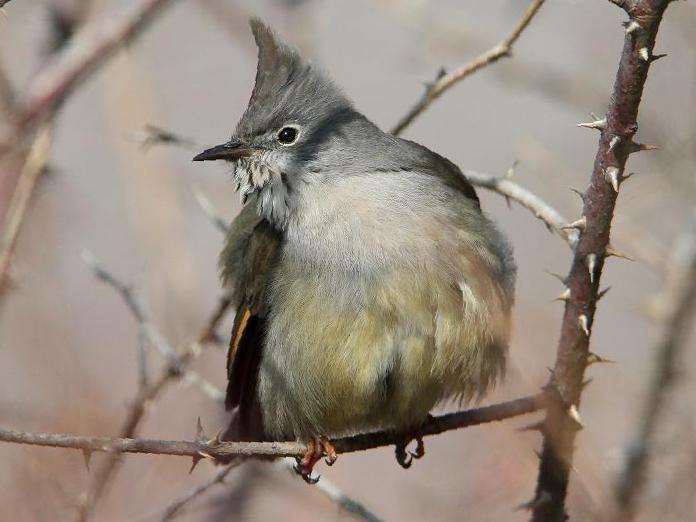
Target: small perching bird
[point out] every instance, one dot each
(369, 285)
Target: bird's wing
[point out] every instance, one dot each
(247, 260)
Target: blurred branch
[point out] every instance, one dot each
(151, 135)
(682, 303)
(175, 368)
(215, 449)
(33, 167)
(82, 55)
(209, 210)
(512, 191)
(616, 143)
(445, 81)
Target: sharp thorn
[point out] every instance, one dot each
(565, 295)
(656, 57)
(579, 193)
(602, 293)
(611, 175)
(593, 358)
(591, 261)
(574, 414)
(200, 434)
(196, 459)
(580, 224)
(632, 27)
(586, 383)
(637, 147)
(537, 501)
(644, 54)
(583, 324)
(596, 124)
(612, 252)
(557, 276)
(87, 456)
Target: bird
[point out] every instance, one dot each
(368, 284)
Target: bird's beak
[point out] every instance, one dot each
(230, 151)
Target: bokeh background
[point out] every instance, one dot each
(68, 344)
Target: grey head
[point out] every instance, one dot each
(300, 130)
(293, 112)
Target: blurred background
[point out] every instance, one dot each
(68, 345)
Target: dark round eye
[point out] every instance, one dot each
(287, 135)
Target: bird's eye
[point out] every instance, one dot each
(287, 135)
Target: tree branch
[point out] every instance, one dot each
(447, 80)
(215, 449)
(573, 356)
(680, 309)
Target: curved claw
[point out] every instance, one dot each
(403, 457)
(306, 476)
(329, 451)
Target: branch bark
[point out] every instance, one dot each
(562, 420)
(215, 449)
(447, 80)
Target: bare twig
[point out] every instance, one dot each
(682, 302)
(542, 210)
(151, 135)
(445, 81)
(34, 166)
(215, 449)
(85, 51)
(210, 211)
(176, 505)
(616, 143)
(175, 368)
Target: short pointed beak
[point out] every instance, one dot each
(231, 151)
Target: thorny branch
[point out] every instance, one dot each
(176, 367)
(680, 309)
(445, 81)
(215, 449)
(573, 356)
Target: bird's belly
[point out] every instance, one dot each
(345, 353)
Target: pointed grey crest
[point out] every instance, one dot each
(287, 88)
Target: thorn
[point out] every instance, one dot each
(196, 459)
(596, 124)
(200, 434)
(537, 501)
(612, 252)
(611, 175)
(580, 224)
(557, 276)
(586, 383)
(535, 426)
(87, 456)
(602, 293)
(593, 358)
(614, 142)
(582, 323)
(508, 202)
(217, 439)
(579, 193)
(644, 54)
(591, 261)
(656, 57)
(565, 295)
(632, 27)
(574, 414)
(637, 147)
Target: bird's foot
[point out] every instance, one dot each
(317, 447)
(405, 457)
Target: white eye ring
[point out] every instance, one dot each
(288, 135)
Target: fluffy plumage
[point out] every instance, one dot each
(369, 284)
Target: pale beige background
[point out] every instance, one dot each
(67, 344)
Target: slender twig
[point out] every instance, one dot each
(175, 368)
(170, 512)
(210, 211)
(34, 166)
(562, 420)
(151, 135)
(215, 449)
(336, 495)
(512, 191)
(81, 56)
(682, 303)
(448, 80)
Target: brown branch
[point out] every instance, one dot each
(215, 449)
(616, 143)
(682, 303)
(445, 81)
(82, 55)
(175, 368)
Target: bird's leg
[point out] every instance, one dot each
(317, 447)
(405, 457)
